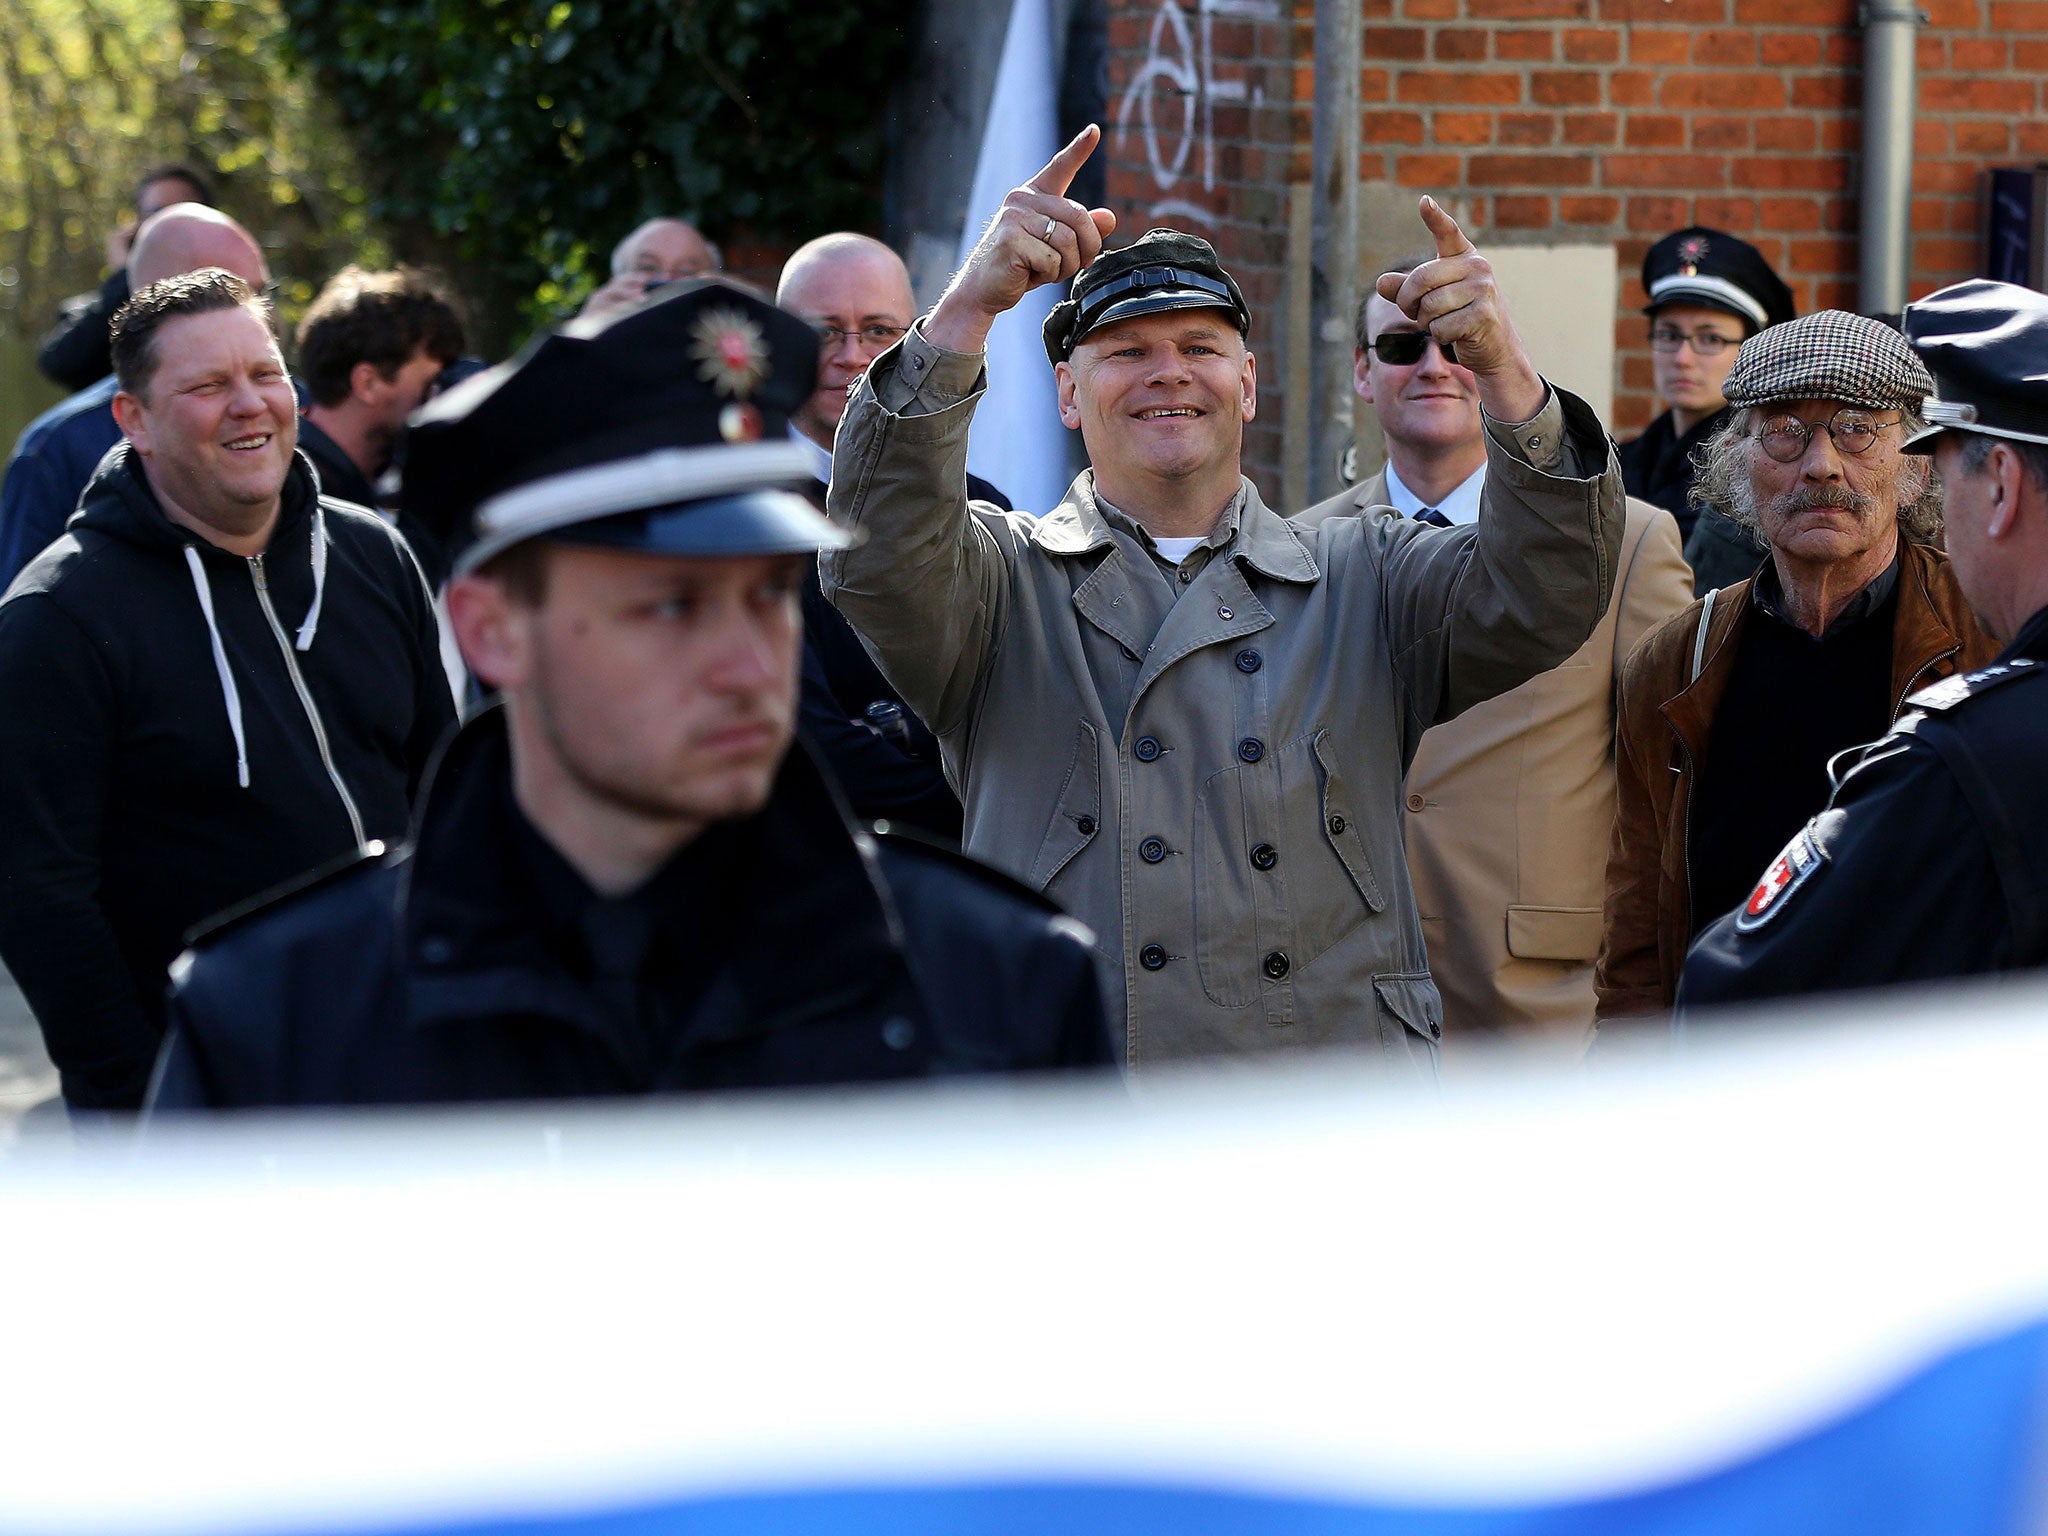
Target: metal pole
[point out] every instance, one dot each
(1890, 34)
(1334, 281)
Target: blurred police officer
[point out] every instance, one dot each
(625, 881)
(1709, 292)
(1931, 859)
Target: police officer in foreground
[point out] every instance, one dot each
(624, 880)
(1931, 859)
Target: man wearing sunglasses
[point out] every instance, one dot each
(1732, 711)
(1177, 714)
(1510, 805)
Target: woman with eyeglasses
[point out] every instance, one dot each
(1709, 292)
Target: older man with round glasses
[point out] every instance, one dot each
(1731, 711)
(1928, 861)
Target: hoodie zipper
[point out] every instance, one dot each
(291, 665)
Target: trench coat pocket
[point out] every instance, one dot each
(1076, 814)
(1554, 933)
(1411, 1012)
(1341, 827)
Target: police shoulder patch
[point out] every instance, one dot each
(1788, 871)
(1951, 691)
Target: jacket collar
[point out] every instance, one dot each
(1928, 629)
(1263, 540)
(818, 928)
(2031, 641)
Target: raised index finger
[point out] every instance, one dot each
(1450, 240)
(1059, 171)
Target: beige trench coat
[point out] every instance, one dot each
(1511, 807)
(1207, 770)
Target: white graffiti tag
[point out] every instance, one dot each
(1180, 62)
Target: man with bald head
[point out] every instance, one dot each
(59, 450)
(75, 354)
(662, 250)
(856, 293)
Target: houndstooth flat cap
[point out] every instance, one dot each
(1829, 355)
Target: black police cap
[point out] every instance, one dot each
(1162, 269)
(1986, 344)
(1714, 269)
(662, 429)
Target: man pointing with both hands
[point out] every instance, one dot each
(1182, 718)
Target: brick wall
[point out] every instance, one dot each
(1581, 121)
(1208, 125)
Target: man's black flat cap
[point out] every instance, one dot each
(1161, 269)
(1712, 268)
(1986, 344)
(663, 429)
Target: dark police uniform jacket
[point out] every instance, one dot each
(432, 974)
(1931, 860)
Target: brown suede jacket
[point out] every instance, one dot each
(1662, 724)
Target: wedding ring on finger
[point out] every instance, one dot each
(1050, 226)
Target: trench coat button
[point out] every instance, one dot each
(435, 950)
(1264, 856)
(1152, 957)
(1129, 654)
(1436, 1030)
(1337, 826)
(899, 1034)
(1275, 966)
(1085, 825)
(1145, 749)
(1249, 662)
(1251, 749)
(1416, 802)
(1152, 850)
(1225, 615)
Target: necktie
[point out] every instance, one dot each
(1434, 518)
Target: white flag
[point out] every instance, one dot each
(1018, 442)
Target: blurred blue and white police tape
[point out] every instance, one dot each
(1790, 1284)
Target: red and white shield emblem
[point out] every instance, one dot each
(731, 352)
(1787, 872)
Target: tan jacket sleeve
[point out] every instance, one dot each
(1626, 977)
(1473, 612)
(1655, 584)
(927, 585)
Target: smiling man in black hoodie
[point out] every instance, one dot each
(214, 682)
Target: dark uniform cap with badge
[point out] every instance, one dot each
(663, 430)
(1829, 355)
(1162, 269)
(1714, 269)
(1986, 344)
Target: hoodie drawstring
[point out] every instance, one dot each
(228, 690)
(312, 625)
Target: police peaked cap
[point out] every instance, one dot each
(1986, 344)
(1162, 269)
(1715, 270)
(663, 429)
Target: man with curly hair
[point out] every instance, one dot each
(1731, 711)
